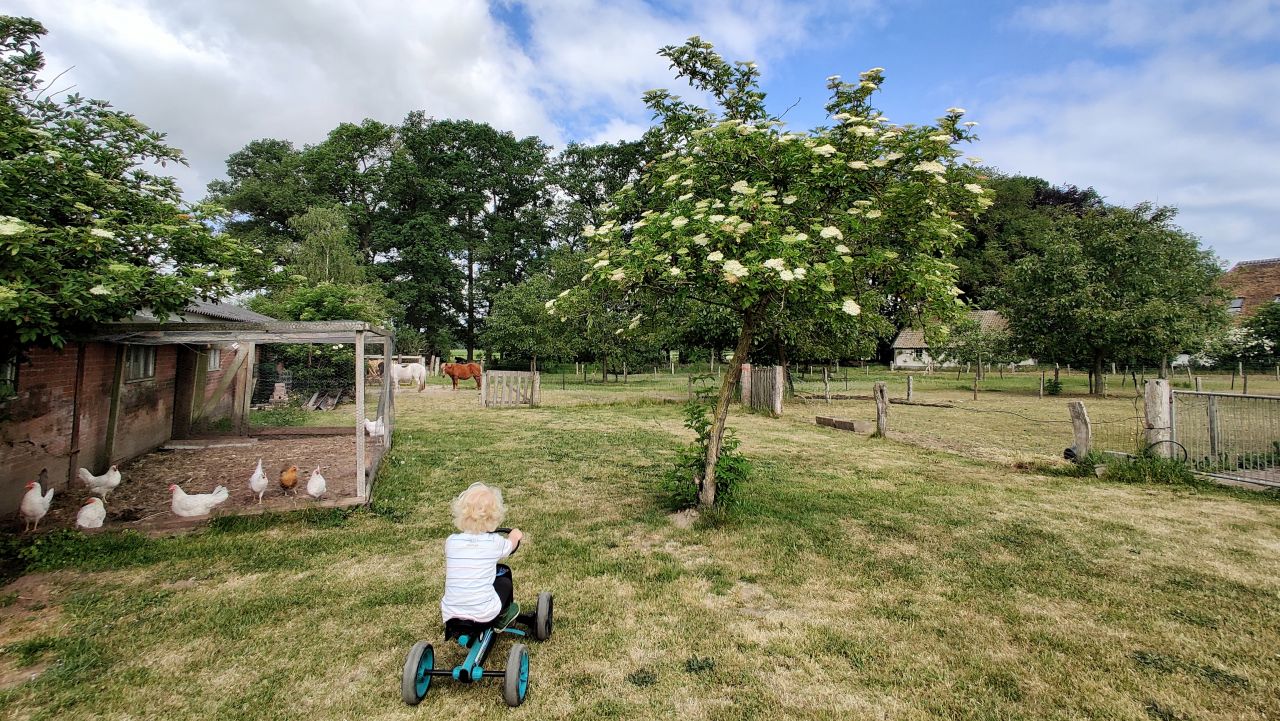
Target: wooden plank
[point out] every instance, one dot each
(228, 375)
(113, 416)
(73, 458)
(846, 425)
(1159, 416)
(537, 388)
(362, 480)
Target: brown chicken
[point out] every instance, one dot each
(289, 480)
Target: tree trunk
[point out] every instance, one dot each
(707, 484)
(471, 304)
(1097, 374)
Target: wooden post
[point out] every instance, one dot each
(113, 415)
(537, 389)
(910, 388)
(779, 382)
(1215, 436)
(388, 397)
(73, 458)
(1041, 395)
(244, 386)
(1199, 387)
(1244, 384)
(624, 371)
(690, 380)
(1233, 375)
(826, 383)
(881, 392)
(1159, 416)
(484, 388)
(745, 382)
(362, 480)
(673, 366)
(1082, 432)
(975, 386)
(846, 379)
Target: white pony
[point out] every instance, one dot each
(415, 372)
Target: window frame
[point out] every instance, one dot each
(1235, 306)
(213, 360)
(147, 361)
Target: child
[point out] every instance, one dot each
(476, 586)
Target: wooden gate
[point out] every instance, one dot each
(510, 388)
(764, 390)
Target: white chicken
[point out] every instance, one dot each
(377, 428)
(316, 485)
(101, 485)
(196, 504)
(35, 504)
(258, 481)
(92, 513)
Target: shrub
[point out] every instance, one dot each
(282, 416)
(678, 488)
(1053, 387)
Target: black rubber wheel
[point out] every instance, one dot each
(414, 680)
(542, 619)
(515, 682)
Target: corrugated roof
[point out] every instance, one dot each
(987, 320)
(226, 311)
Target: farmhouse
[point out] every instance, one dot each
(1251, 284)
(911, 352)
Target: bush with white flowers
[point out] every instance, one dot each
(855, 218)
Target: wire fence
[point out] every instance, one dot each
(1234, 436)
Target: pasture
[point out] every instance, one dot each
(930, 575)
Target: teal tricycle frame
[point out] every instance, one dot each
(478, 639)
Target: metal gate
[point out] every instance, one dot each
(1236, 437)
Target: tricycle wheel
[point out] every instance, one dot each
(416, 678)
(516, 680)
(542, 619)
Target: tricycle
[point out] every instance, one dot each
(478, 638)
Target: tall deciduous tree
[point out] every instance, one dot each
(88, 231)
(856, 218)
(325, 251)
(1111, 284)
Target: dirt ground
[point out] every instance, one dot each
(143, 493)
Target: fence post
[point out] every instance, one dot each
(1244, 386)
(1159, 412)
(1082, 432)
(1199, 387)
(484, 387)
(881, 392)
(745, 382)
(779, 382)
(1215, 437)
(975, 386)
(1041, 384)
(826, 384)
(910, 388)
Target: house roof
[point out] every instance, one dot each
(226, 311)
(1256, 281)
(987, 320)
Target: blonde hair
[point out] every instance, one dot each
(478, 509)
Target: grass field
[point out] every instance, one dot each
(855, 578)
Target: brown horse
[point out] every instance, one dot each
(462, 372)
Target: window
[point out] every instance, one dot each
(1237, 305)
(215, 359)
(8, 378)
(139, 362)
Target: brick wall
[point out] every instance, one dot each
(35, 427)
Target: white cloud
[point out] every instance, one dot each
(1143, 23)
(217, 75)
(1182, 125)
(617, 130)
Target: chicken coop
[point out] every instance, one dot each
(297, 395)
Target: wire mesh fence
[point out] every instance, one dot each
(1233, 436)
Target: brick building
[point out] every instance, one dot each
(99, 402)
(1251, 285)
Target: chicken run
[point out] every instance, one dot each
(143, 499)
(239, 469)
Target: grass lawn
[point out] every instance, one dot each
(855, 578)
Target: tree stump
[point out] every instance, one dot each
(881, 391)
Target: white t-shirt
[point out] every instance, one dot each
(470, 565)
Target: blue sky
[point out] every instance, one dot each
(1176, 102)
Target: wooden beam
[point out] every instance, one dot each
(113, 416)
(73, 459)
(362, 481)
(229, 375)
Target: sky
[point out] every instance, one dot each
(1171, 101)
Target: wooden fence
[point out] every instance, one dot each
(510, 388)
